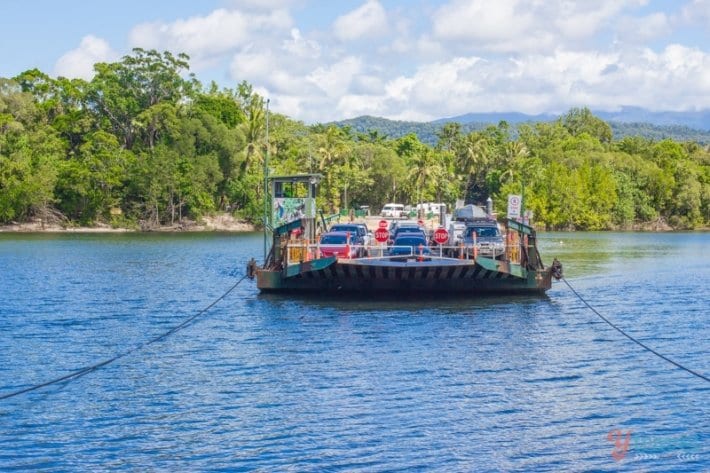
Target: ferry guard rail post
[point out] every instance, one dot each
(475, 246)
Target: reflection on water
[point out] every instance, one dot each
(597, 252)
(406, 302)
(283, 382)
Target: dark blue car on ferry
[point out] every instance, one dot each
(410, 244)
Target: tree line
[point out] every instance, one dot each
(144, 143)
(428, 132)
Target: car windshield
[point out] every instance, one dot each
(482, 232)
(345, 228)
(333, 240)
(410, 241)
(408, 230)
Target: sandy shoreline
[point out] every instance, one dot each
(218, 223)
(228, 224)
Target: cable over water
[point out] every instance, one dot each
(88, 369)
(638, 342)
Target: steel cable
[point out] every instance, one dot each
(88, 369)
(638, 342)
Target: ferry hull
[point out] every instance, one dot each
(479, 277)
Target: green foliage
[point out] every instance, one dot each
(581, 121)
(142, 144)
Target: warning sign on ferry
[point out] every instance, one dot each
(382, 235)
(441, 236)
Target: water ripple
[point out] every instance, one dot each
(268, 382)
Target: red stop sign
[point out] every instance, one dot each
(382, 234)
(383, 224)
(441, 236)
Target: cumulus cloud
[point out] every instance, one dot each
(300, 46)
(203, 37)
(697, 12)
(477, 56)
(267, 69)
(368, 20)
(79, 62)
(675, 78)
(640, 30)
(334, 80)
(481, 20)
(524, 25)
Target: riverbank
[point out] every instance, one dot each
(229, 224)
(215, 223)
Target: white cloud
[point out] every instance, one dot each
(522, 25)
(511, 55)
(79, 62)
(289, 105)
(366, 21)
(643, 29)
(203, 37)
(301, 47)
(697, 12)
(581, 20)
(675, 78)
(268, 70)
(335, 79)
(481, 20)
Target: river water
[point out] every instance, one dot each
(276, 383)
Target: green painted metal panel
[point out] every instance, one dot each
(313, 265)
(520, 227)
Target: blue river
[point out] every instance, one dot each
(299, 383)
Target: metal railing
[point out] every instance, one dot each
(303, 250)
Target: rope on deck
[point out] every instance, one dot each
(638, 342)
(88, 369)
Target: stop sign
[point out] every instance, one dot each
(382, 234)
(441, 236)
(383, 224)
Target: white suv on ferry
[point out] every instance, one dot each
(393, 210)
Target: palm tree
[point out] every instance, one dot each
(449, 134)
(332, 150)
(421, 171)
(515, 153)
(472, 157)
(253, 130)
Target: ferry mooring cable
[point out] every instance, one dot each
(638, 342)
(88, 369)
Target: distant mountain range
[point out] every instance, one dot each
(629, 121)
(699, 120)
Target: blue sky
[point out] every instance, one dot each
(413, 60)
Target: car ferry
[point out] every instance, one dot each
(296, 259)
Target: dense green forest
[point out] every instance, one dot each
(146, 144)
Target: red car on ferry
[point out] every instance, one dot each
(340, 245)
